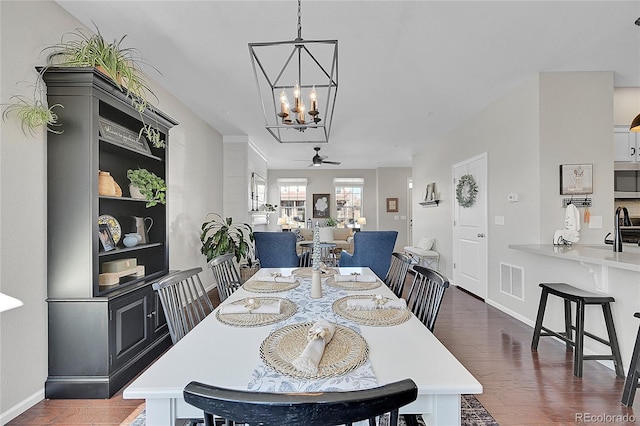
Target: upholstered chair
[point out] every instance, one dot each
(372, 249)
(276, 249)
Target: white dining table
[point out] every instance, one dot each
(224, 355)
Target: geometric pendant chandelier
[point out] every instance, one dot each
(297, 82)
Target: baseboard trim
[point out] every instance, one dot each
(21, 407)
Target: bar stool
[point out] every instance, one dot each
(631, 384)
(581, 298)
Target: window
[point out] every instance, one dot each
(293, 195)
(349, 194)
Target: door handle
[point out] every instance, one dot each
(633, 151)
(480, 235)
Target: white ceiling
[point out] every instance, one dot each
(409, 71)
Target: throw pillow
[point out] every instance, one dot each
(307, 234)
(326, 234)
(341, 234)
(299, 236)
(426, 243)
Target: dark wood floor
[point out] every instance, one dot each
(520, 387)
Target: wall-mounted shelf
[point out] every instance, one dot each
(429, 203)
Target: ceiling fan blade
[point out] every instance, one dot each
(323, 157)
(331, 162)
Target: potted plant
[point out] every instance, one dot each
(33, 114)
(150, 186)
(122, 65)
(220, 236)
(77, 49)
(330, 222)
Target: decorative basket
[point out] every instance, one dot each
(247, 272)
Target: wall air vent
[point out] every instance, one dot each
(512, 280)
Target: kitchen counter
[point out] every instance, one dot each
(603, 254)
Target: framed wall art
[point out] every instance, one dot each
(576, 179)
(392, 204)
(321, 205)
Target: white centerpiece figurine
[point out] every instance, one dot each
(316, 283)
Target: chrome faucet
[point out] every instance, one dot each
(617, 234)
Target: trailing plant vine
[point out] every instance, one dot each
(78, 49)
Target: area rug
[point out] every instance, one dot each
(473, 414)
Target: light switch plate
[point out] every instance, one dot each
(499, 220)
(595, 222)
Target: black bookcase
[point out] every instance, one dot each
(100, 336)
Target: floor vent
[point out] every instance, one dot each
(512, 280)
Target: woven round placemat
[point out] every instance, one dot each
(268, 286)
(306, 272)
(353, 285)
(373, 317)
(346, 351)
(287, 309)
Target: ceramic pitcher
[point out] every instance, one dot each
(140, 227)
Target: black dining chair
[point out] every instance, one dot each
(397, 273)
(425, 295)
(302, 408)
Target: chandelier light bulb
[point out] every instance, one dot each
(314, 98)
(284, 104)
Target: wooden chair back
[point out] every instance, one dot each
(397, 273)
(226, 274)
(425, 295)
(300, 408)
(184, 301)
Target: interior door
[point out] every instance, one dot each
(469, 230)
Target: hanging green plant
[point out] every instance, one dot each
(33, 114)
(78, 48)
(466, 191)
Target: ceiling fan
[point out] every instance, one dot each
(319, 160)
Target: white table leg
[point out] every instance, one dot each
(446, 411)
(160, 412)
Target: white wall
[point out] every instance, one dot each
(576, 127)
(392, 183)
(195, 159)
(626, 105)
(507, 131)
(552, 119)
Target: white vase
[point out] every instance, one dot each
(316, 285)
(135, 192)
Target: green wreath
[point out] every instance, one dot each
(466, 191)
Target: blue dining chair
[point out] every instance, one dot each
(372, 249)
(276, 249)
